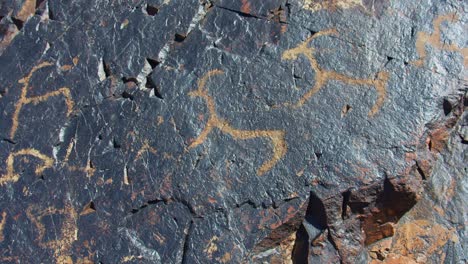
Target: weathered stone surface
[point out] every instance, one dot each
(187, 131)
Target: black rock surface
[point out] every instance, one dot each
(187, 131)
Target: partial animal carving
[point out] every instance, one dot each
(276, 137)
(322, 76)
(434, 40)
(24, 99)
(62, 245)
(12, 176)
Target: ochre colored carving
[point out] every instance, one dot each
(211, 248)
(130, 258)
(89, 169)
(276, 137)
(11, 176)
(316, 5)
(434, 40)
(323, 76)
(69, 150)
(24, 99)
(62, 245)
(145, 148)
(2, 226)
(47, 162)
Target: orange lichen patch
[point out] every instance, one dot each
(145, 148)
(266, 217)
(66, 67)
(284, 28)
(245, 8)
(212, 200)
(450, 190)
(24, 99)
(276, 137)
(279, 229)
(438, 139)
(423, 167)
(2, 226)
(11, 176)
(323, 76)
(410, 156)
(416, 237)
(434, 40)
(395, 259)
(375, 232)
(28, 9)
(62, 245)
(109, 181)
(380, 249)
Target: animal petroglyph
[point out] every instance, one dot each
(24, 99)
(11, 176)
(276, 137)
(434, 40)
(46, 162)
(62, 245)
(322, 76)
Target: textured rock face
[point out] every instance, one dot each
(187, 131)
